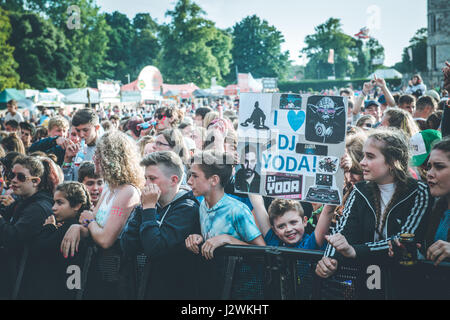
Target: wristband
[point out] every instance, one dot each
(87, 222)
(67, 164)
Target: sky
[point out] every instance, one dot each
(392, 22)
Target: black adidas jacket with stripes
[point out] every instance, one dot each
(408, 215)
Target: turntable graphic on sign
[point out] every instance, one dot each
(323, 192)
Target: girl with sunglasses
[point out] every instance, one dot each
(32, 182)
(167, 118)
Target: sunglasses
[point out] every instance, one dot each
(329, 111)
(20, 176)
(162, 116)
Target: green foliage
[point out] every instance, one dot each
(9, 78)
(317, 85)
(12, 5)
(187, 53)
(257, 49)
(329, 35)
(418, 45)
(40, 50)
(352, 57)
(89, 43)
(145, 45)
(296, 71)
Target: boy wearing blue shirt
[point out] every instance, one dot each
(285, 225)
(223, 219)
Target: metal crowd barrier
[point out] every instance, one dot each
(268, 273)
(289, 274)
(279, 273)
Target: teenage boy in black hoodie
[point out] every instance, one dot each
(21, 222)
(168, 215)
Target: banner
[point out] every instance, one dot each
(108, 89)
(331, 56)
(290, 146)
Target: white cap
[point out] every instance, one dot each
(190, 144)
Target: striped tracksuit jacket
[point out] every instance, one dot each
(357, 223)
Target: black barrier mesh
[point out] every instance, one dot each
(266, 273)
(342, 286)
(141, 261)
(248, 279)
(304, 277)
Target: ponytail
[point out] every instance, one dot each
(50, 178)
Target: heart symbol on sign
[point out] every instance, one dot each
(296, 119)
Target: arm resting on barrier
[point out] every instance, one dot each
(211, 244)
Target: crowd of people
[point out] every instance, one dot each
(162, 182)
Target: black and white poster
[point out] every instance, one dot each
(326, 119)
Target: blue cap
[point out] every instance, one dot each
(369, 103)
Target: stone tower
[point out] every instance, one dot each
(438, 44)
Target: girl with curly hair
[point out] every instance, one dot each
(117, 160)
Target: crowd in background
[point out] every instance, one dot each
(164, 181)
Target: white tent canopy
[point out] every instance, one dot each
(386, 74)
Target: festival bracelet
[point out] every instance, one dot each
(87, 222)
(67, 164)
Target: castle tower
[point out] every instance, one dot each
(438, 44)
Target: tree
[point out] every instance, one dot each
(187, 54)
(120, 36)
(376, 54)
(86, 33)
(221, 45)
(296, 72)
(257, 49)
(41, 51)
(418, 48)
(12, 5)
(145, 45)
(329, 35)
(9, 78)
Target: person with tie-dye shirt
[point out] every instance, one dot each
(223, 220)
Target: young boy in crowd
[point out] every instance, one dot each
(27, 131)
(11, 126)
(169, 213)
(223, 220)
(92, 181)
(285, 225)
(57, 132)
